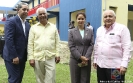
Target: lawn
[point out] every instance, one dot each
(62, 74)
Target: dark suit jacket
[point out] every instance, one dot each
(78, 46)
(15, 40)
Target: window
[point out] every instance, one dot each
(113, 8)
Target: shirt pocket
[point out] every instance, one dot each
(113, 39)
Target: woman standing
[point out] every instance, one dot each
(81, 43)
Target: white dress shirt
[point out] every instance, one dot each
(23, 24)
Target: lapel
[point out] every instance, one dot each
(26, 30)
(86, 31)
(78, 34)
(20, 25)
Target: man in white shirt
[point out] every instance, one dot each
(89, 26)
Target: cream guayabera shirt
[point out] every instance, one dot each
(43, 41)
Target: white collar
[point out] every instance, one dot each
(21, 19)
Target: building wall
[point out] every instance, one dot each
(52, 20)
(42, 1)
(129, 1)
(30, 5)
(1, 26)
(35, 2)
(92, 10)
(73, 14)
(130, 15)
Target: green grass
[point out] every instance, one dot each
(62, 74)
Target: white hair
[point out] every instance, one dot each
(41, 8)
(109, 11)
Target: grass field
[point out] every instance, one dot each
(62, 74)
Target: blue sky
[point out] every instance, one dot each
(8, 3)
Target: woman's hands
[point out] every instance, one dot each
(84, 61)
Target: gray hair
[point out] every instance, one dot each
(20, 5)
(41, 8)
(109, 11)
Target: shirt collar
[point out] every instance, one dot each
(21, 19)
(48, 23)
(111, 27)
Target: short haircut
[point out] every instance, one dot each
(72, 22)
(41, 8)
(88, 23)
(20, 5)
(109, 11)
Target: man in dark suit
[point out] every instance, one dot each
(15, 48)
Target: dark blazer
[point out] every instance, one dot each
(78, 46)
(15, 39)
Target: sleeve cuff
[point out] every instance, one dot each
(124, 64)
(57, 55)
(95, 61)
(30, 58)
